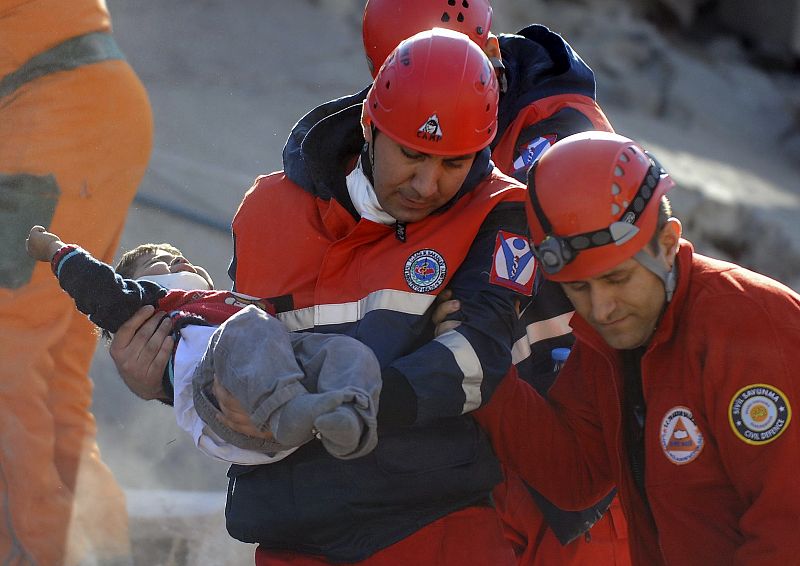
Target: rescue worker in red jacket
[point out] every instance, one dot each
(400, 200)
(75, 138)
(681, 384)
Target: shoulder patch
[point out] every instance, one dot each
(533, 150)
(425, 270)
(513, 265)
(759, 413)
(681, 439)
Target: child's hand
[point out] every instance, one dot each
(41, 244)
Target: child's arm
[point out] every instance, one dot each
(98, 291)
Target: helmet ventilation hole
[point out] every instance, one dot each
(615, 189)
(460, 17)
(465, 3)
(623, 157)
(615, 209)
(618, 171)
(388, 84)
(445, 17)
(451, 2)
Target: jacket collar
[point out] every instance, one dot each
(294, 163)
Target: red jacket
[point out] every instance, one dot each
(719, 382)
(528, 126)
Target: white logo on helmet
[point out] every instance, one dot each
(430, 130)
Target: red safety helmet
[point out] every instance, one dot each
(594, 200)
(437, 93)
(388, 22)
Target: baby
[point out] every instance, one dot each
(297, 385)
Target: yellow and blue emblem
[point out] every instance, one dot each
(759, 413)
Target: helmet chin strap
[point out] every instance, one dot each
(667, 276)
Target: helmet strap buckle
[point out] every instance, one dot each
(669, 277)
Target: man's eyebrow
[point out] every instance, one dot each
(415, 153)
(460, 157)
(615, 273)
(412, 152)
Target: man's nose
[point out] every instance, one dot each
(426, 179)
(604, 303)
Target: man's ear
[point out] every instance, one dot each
(669, 238)
(366, 123)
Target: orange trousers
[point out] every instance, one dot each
(74, 146)
(605, 544)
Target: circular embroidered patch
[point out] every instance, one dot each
(425, 270)
(681, 439)
(759, 413)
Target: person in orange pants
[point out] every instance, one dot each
(75, 138)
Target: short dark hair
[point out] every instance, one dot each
(130, 260)
(664, 214)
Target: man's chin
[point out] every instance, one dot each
(621, 340)
(407, 216)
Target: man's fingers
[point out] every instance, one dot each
(165, 345)
(222, 395)
(126, 332)
(232, 410)
(153, 335)
(445, 306)
(141, 349)
(444, 309)
(445, 295)
(234, 414)
(446, 326)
